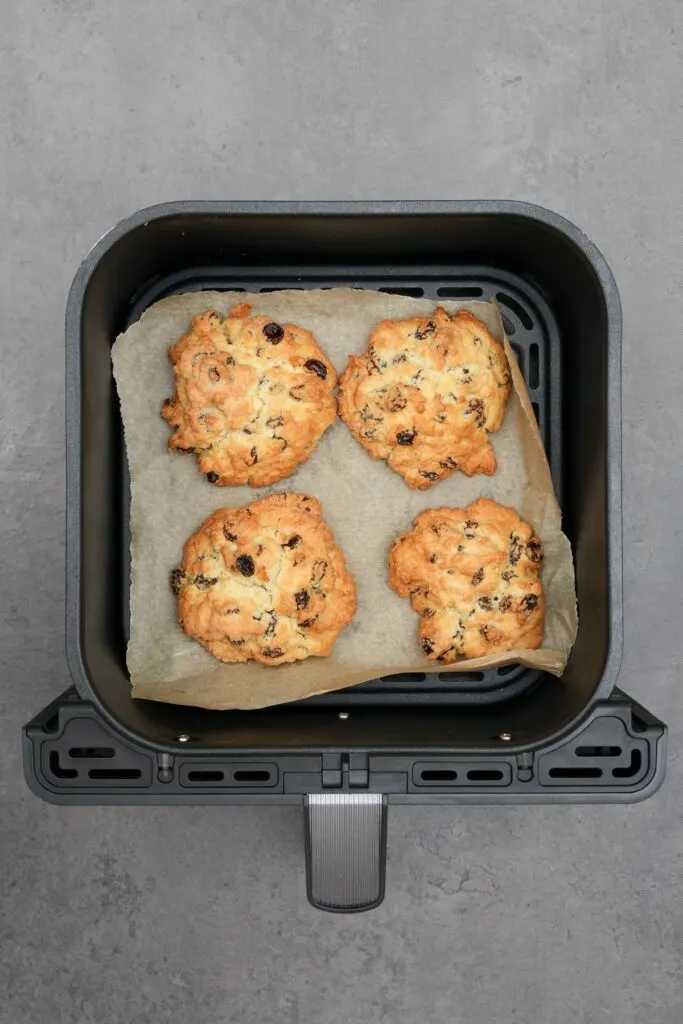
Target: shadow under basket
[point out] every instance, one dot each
(507, 735)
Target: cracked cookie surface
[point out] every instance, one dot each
(426, 394)
(253, 397)
(473, 576)
(265, 582)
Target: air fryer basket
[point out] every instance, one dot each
(507, 734)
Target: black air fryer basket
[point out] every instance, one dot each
(508, 735)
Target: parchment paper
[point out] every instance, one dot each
(365, 503)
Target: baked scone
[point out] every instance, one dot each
(253, 397)
(473, 576)
(426, 394)
(265, 582)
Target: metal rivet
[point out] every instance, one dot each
(505, 737)
(343, 715)
(184, 738)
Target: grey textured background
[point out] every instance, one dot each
(518, 916)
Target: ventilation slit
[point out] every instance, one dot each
(438, 775)
(92, 752)
(632, 769)
(58, 771)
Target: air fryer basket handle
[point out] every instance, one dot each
(345, 850)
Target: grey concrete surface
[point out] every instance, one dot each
(493, 916)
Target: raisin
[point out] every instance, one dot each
(237, 643)
(270, 628)
(318, 572)
(213, 315)
(167, 402)
(176, 580)
(432, 559)
(213, 478)
(186, 451)
(274, 333)
(478, 577)
(529, 602)
(307, 623)
(515, 552)
(403, 358)
(315, 366)
(245, 564)
(508, 574)
(475, 407)
(471, 524)
(427, 645)
(274, 421)
(229, 361)
(486, 603)
(253, 455)
(302, 598)
(423, 332)
(395, 400)
(214, 375)
(505, 603)
(534, 550)
(204, 582)
(449, 463)
(428, 613)
(489, 634)
(429, 475)
(272, 652)
(374, 361)
(406, 437)
(292, 542)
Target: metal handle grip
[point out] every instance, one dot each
(346, 840)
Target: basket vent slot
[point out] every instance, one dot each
(510, 328)
(460, 292)
(405, 677)
(461, 677)
(403, 290)
(534, 367)
(518, 310)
